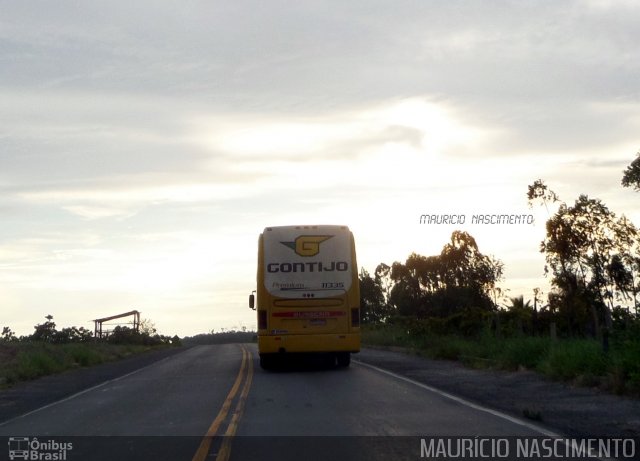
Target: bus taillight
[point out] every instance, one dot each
(355, 317)
(262, 320)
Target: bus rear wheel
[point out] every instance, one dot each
(266, 361)
(343, 359)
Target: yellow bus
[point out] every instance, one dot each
(308, 294)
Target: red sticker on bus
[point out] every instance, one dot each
(309, 314)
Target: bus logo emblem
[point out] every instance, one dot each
(307, 245)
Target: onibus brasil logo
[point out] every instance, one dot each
(34, 449)
(307, 245)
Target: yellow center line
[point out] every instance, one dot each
(205, 444)
(225, 449)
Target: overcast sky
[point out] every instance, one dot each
(145, 145)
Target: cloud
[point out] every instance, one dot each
(96, 212)
(523, 67)
(319, 55)
(417, 123)
(117, 136)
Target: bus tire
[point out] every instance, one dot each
(343, 358)
(266, 362)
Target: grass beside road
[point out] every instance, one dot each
(22, 361)
(581, 361)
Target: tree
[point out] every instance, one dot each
(591, 256)
(372, 304)
(124, 335)
(72, 335)
(518, 304)
(465, 266)
(147, 327)
(8, 335)
(45, 331)
(458, 279)
(539, 191)
(383, 279)
(631, 176)
(521, 313)
(405, 296)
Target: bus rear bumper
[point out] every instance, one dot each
(271, 344)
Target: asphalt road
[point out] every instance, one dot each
(214, 402)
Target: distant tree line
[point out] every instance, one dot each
(592, 258)
(222, 337)
(47, 332)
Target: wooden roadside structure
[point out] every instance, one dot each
(99, 332)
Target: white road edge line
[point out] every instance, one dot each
(455, 398)
(84, 391)
(467, 403)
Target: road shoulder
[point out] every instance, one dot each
(571, 411)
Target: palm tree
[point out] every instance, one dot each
(521, 311)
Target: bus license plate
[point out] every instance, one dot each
(318, 322)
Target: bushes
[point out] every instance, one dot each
(35, 362)
(572, 358)
(46, 332)
(126, 335)
(580, 360)
(626, 374)
(29, 360)
(49, 351)
(522, 352)
(468, 322)
(84, 356)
